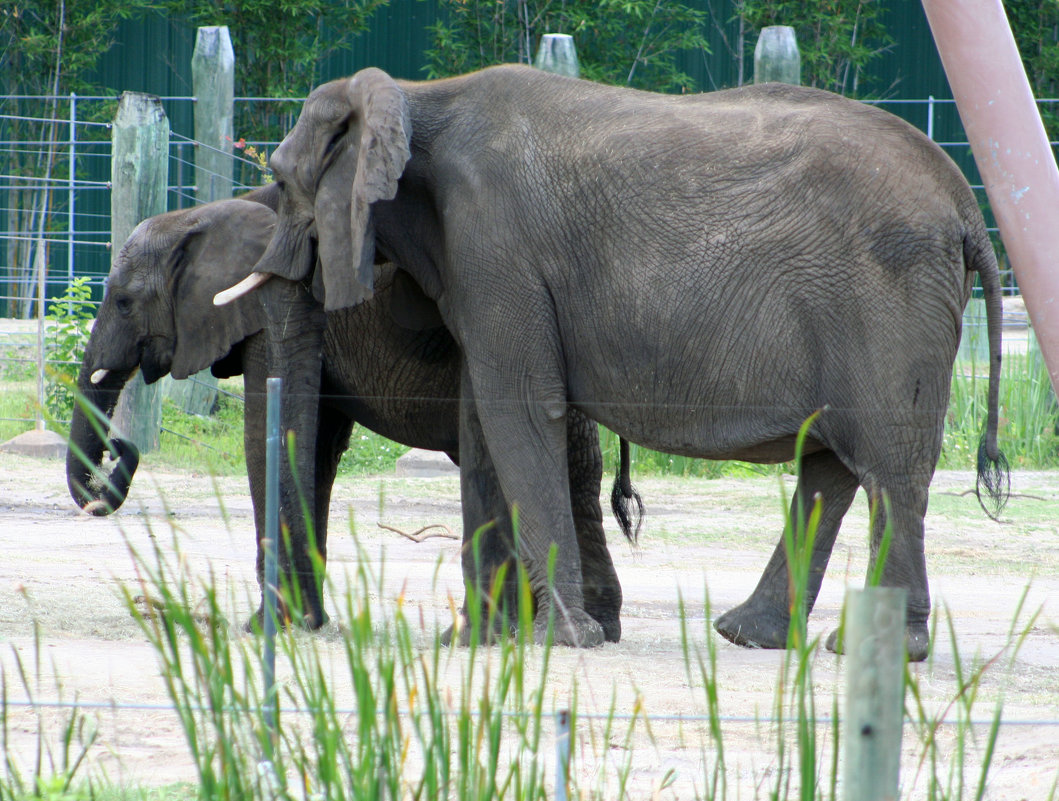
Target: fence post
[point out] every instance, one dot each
(213, 81)
(874, 643)
(562, 753)
(557, 54)
(139, 178)
(776, 56)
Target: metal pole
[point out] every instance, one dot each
(70, 195)
(562, 753)
(40, 262)
(274, 389)
(930, 117)
(1011, 149)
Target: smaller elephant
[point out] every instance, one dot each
(158, 316)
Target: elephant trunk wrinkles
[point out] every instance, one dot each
(94, 488)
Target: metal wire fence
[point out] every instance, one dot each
(55, 196)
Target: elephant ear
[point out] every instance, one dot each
(219, 246)
(381, 119)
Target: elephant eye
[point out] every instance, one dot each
(336, 138)
(124, 305)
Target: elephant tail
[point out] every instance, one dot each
(624, 492)
(994, 475)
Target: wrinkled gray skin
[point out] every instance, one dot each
(699, 274)
(158, 315)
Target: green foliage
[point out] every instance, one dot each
(1028, 414)
(47, 46)
(1035, 24)
(210, 444)
(370, 453)
(70, 316)
(623, 42)
(837, 39)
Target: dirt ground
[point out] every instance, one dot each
(60, 572)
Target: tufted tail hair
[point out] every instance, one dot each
(994, 476)
(624, 492)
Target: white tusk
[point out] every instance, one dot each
(248, 284)
(98, 376)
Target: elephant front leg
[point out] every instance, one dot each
(525, 432)
(294, 340)
(488, 547)
(764, 619)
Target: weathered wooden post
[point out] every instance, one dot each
(213, 81)
(139, 179)
(776, 56)
(874, 643)
(557, 54)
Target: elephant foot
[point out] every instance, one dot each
(573, 628)
(917, 642)
(605, 608)
(311, 621)
(608, 620)
(754, 626)
(460, 632)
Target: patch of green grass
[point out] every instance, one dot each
(208, 444)
(370, 453)
(18, 408)
(1028, 416)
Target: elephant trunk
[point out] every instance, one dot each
(96, 488)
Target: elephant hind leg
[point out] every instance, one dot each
(763, 620)
(901, 519)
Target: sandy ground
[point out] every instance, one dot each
(62, 618)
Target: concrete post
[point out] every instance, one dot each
(557, 54)
(139, 180)
(1011, 149)
(776, 56)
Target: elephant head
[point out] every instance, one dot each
(347, 152)
(157, 317)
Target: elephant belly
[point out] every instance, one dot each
(682, 431)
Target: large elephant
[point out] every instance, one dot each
(700, 274)
(158, 316)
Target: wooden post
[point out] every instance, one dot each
(776, 56)
(875, 683)
(213, 81)
(557, 54)
(139, 179)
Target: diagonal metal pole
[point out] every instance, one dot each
(1011, 149)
